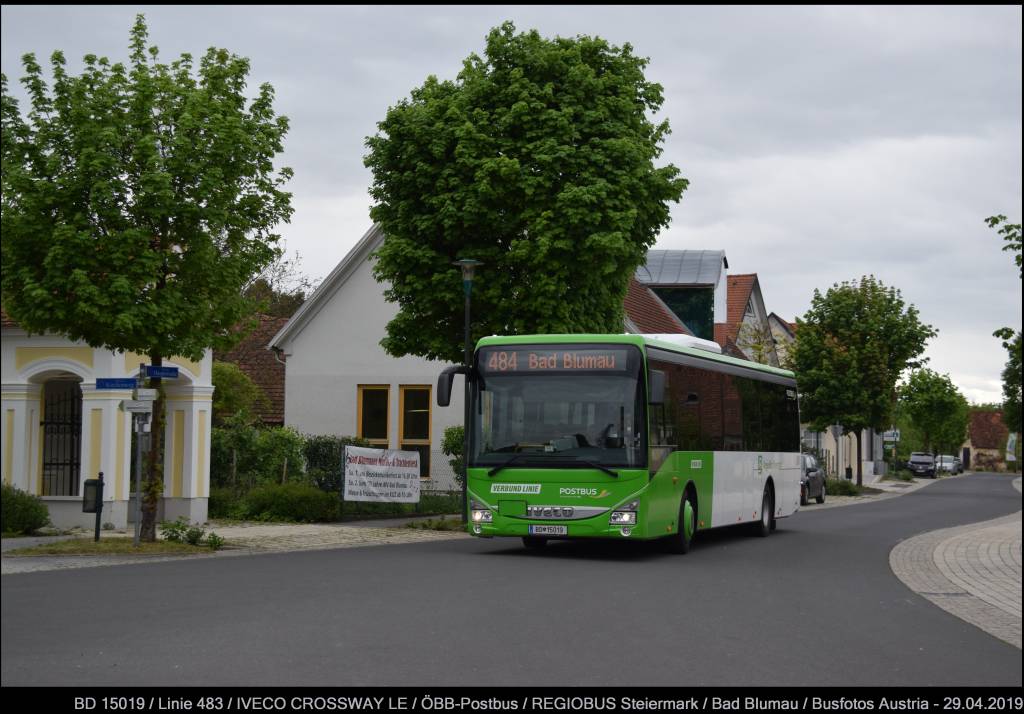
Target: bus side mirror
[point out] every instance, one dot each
(656, 386)
(444, 384)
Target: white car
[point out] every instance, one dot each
(949, 464)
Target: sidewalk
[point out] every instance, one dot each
(242, 539)
(972, 571)
(890, 489)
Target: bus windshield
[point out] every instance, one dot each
(558, 405)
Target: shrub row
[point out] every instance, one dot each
(21, 512)
(841, 487)
(304, 503)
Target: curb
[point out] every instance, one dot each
(972, 572)
(830, 502)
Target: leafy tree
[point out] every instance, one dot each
(1011, 235)
(138, 201)
(281, 288)
(851, 348)
(236, 395)
(1012, 372)
(758, 342)
(537, 160)
(1011, 379)
(937, 409)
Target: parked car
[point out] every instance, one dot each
(922, 464)
(949, 464)
(812, 481)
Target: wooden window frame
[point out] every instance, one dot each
(363, 388)
(402, 388)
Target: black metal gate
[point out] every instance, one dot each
(62, 437)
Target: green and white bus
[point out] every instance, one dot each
(626, 436)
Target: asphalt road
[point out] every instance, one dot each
(815, 603)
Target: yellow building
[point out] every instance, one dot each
(58, 429)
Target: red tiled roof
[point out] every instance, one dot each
(738, 292)
(987, 430)
(737, 296)
(725, 336)
(260, 365)
(649, 313)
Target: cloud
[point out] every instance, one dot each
(822, 143)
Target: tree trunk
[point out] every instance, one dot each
(153, 489)
(860, 461)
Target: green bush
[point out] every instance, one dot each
(175, 532)
(227, 502)
(325, 455)
(841, 487)
(291, 502)
(22, 512)
(261, 455)
(451, 445)
(214, 541)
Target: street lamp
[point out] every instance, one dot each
(468, 266)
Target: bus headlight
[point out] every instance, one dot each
(625, 515)
(482, 516)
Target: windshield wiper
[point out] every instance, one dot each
(597, 466)
(509, 460)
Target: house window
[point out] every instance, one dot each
(373, 415)
(414, 425)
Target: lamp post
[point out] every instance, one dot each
(468, 266)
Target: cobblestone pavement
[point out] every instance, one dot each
(972, 571)
(245, 539)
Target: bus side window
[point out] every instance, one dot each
(663, 432)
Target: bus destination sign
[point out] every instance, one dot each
(553, 360)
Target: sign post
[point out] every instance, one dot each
(141, 407)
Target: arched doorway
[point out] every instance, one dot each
(61, 425)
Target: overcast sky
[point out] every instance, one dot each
(821, 143)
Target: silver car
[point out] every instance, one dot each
(949, 464)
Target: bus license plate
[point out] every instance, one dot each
(549, 530)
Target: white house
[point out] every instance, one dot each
(339, 380)
(58, 429)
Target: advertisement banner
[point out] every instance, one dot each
(382, 475)
(1011, 448)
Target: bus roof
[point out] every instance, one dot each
(641, 341)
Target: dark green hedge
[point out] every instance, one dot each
(22, 512)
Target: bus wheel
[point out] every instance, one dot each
(765, 525)
(683, 539)
(533, 542)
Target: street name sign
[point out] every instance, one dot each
(106, 383)
(161, 372)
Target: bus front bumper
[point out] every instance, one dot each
(595, 527)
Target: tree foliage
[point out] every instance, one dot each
(137, 203)
(1011, 236)
(937, 409)
(236, 395)
(281, 288)
(1011, 379)
(851, 348)
(537, 160)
